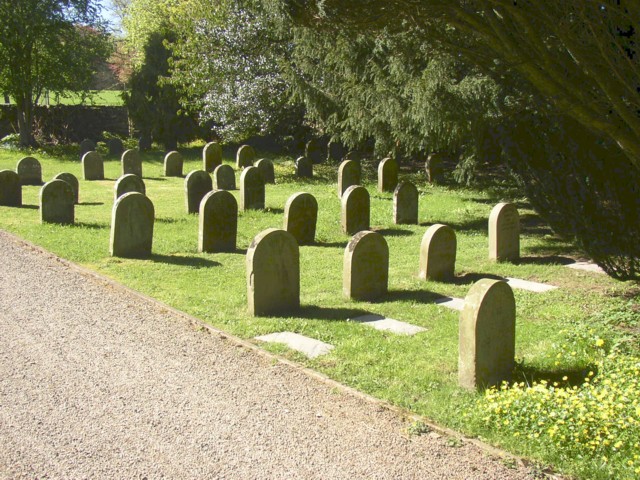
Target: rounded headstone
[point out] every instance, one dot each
(10, 189)
(348, 175)
(405, 204)
(30, 171)
(313, 151)
(218, 222)
(115, 146)
(251, 189)
(387, 175)
(366, 266)
(132, 220)
(224, 178)
(85, 146)
(72, 180)
(355, 210)
(131, 163)
(304, 168)
(266, 170)
(211, 156)
(438, 253)
(173, 164)
(196, 185)
(57, 203)
(504, 233)
(300, 217)
(92, 166)
(128, 183)
(434, 167)
(245, 156)
(335, 151)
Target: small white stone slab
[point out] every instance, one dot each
(451, 302)
(531, 286)
(586, 266)
(310, 347)
(389, 324)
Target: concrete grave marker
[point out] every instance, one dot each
(387, 175)
(115, 146)
(300, 217)
(211, 156)
(313, 151)
(196, 185)
(273, 273)
(30, 171)
(131, 163)
(10, 189)
(348, 175)
(128, 183)
(434, 167)
(304, 168)
(335, 151)
(365, 273)
(132, 220)
(265, 166)
(355, 210)
(173, 164)
(487, 335)
(57, 203)
(245, 157)
(405, 204)
(73, 181)
(438, 253)
(504, 233)
(251, 189)
(218, 222)
(389, 324)
(85, 146)
(92, 166)
(310, 347)
(224, 178)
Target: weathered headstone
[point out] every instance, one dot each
(266, 170)
(57, 203)
(245, 156)
(405, 204)
(196, 185)
(128, 183)
(438, 253)
(131, 163)
(335, 151)
(86, 145)
(434, 167)
(273, 273)
(115, 146)
(30, 171)
(224, 178)
(251, 189)
(387, 175)
(304, 168)
(211, 156)
(355, 210)
(218, 222)
(71, 179)
(348, 175)
(10, 189)
(132, 226)
(366, 266)
(313, 151)
(300, 217)
(173, 164)
(92, 166)
(144, 143)
(487, 335)
(504, 233)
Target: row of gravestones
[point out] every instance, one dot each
(114, 145)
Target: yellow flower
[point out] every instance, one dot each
(599, 342)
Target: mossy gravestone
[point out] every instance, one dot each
(131, 163)
(313, 151)
(128, 183)
(355, 210)
(504, 233)
(115, 146)
(132, 226)
(348, 175)
(218, 222)
(173, 164)
(487, 335)
(387, 175)
(85, 146)
(57, 203)
(73, 181)
(366, 267)
(304, 168)
(335, 151)
(245, 156)
(273, 273)
(30, 171)
(92, 166)
(10, 189)
(211, 156)
(265, 166)
(300, 217)
(438, 253)
(405, 204)
(251, 190)
(196, 185)
(224, 178)
(434, 167)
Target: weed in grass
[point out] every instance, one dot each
(417, 428)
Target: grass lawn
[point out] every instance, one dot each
(561, 334)
(111, 98)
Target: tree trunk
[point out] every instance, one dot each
(25, 122)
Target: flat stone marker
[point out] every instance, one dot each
(30, 171)
(273, 273)
(10, 189)
(224, 178)
(173, 164)
(530, 286)
(128, 183)
(196, 185)
(504, 233)
(313, 151)
(115, 146)
(586, 266)
(132, 220)
(387, 175)
(245, 156)
(265, 166)
(348, 175)
(218, 222)
(131, 163)
(365, 273)
(389, 324)
(211, 156)
(438, 253)
(405, 204)
(71, 179)
(310, 347)
(451, 302)
(57, 203)
(251, 189)
(85, 146)
(355, 210)
(487, 335)
(300, 217)
(304, 168)
(92, 166)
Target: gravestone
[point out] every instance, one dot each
(313, 151)
(405, 204)
(366, 266)
(131, 163)
(196, 185)
(438, 253)
(10, 189)
(355, 210)
(173, 164)
(265, 166)
(273, 273)
(144, 143)
(387, 175)
(348, 175)
(115, 146)
(57, 203)
(85, 146)
(30, 171)
(224, 178)
(504, 233)
(245, 156)
(434, 167)
(211, 156)
(128, 183)
(300, 217)
(304, 168)
(487, 335)
(251, 189)
(92, 166)
(218, 222)
(73, 181)
(131, 226)
(335, 151)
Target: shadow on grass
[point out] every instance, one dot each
(195, 262)
(534, 225)
(274, 210)
(546, 260)
(473, 277)
(328, 313)
(574, 376)
(155, 179)
(393, 232)
(496, 199)
(419, 296)
(330, 244)
(473, 225)
(92, 225)
(29, 207)
(90, 204)
(167, 220)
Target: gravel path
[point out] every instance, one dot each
(96, 382)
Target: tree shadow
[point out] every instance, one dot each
(534, 225)
(574, 376)
(166, 220)
(91, 225)
(195, 262)
(393, 232)
(546, 260)
(473, 225)
(314, 312)
(494, 201)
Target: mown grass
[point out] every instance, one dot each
(112, 98)
(418, 373)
